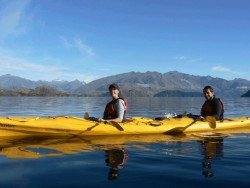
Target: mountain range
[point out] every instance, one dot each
(138, 84)
(158, 84)
(16, 83)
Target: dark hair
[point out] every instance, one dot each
(115, 86)
(208, 87)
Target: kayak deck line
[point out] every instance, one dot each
(70, 125)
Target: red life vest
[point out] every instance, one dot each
(110, 111)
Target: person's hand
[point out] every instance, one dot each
(201, 118)
(102, 120)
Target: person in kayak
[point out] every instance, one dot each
(115, 110)
(212, 106)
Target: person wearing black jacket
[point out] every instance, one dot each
(213, 106)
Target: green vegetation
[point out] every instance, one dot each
(42, 91)
(247, 94)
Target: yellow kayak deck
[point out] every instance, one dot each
(69, 125)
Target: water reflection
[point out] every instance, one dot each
(116, 148)
(212, 149)
(46, 146)
(115, 159)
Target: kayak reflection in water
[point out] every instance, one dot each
(115, 159)
(212, 149)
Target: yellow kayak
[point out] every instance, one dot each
(30, 146)
(69, 125)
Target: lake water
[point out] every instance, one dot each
(145, 161)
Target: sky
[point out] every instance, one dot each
(91, 39)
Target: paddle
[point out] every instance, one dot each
(212, 121)
(87, 117)
(116, 125)
(178, 130)
(113, 123)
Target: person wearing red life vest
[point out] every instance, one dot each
(212, 106)
(115, 110)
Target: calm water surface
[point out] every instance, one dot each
(156, 160)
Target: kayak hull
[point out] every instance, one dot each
(69, 125)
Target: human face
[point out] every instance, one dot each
(208, 94)
(114, 93)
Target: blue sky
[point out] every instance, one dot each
(90, 39)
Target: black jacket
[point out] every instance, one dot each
(213, 107)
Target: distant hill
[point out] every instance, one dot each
(138, 84)
(39, 91)
(247, 94)
(15, 83)
(177, 93)
(152, 83)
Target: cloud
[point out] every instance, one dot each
(36, 71)
(13, 63)
(226, 70)
(181, 58)
(79, 45)
(221, 69)
(12, 14)
(187, 59)
(104, 69)
(83, 48)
